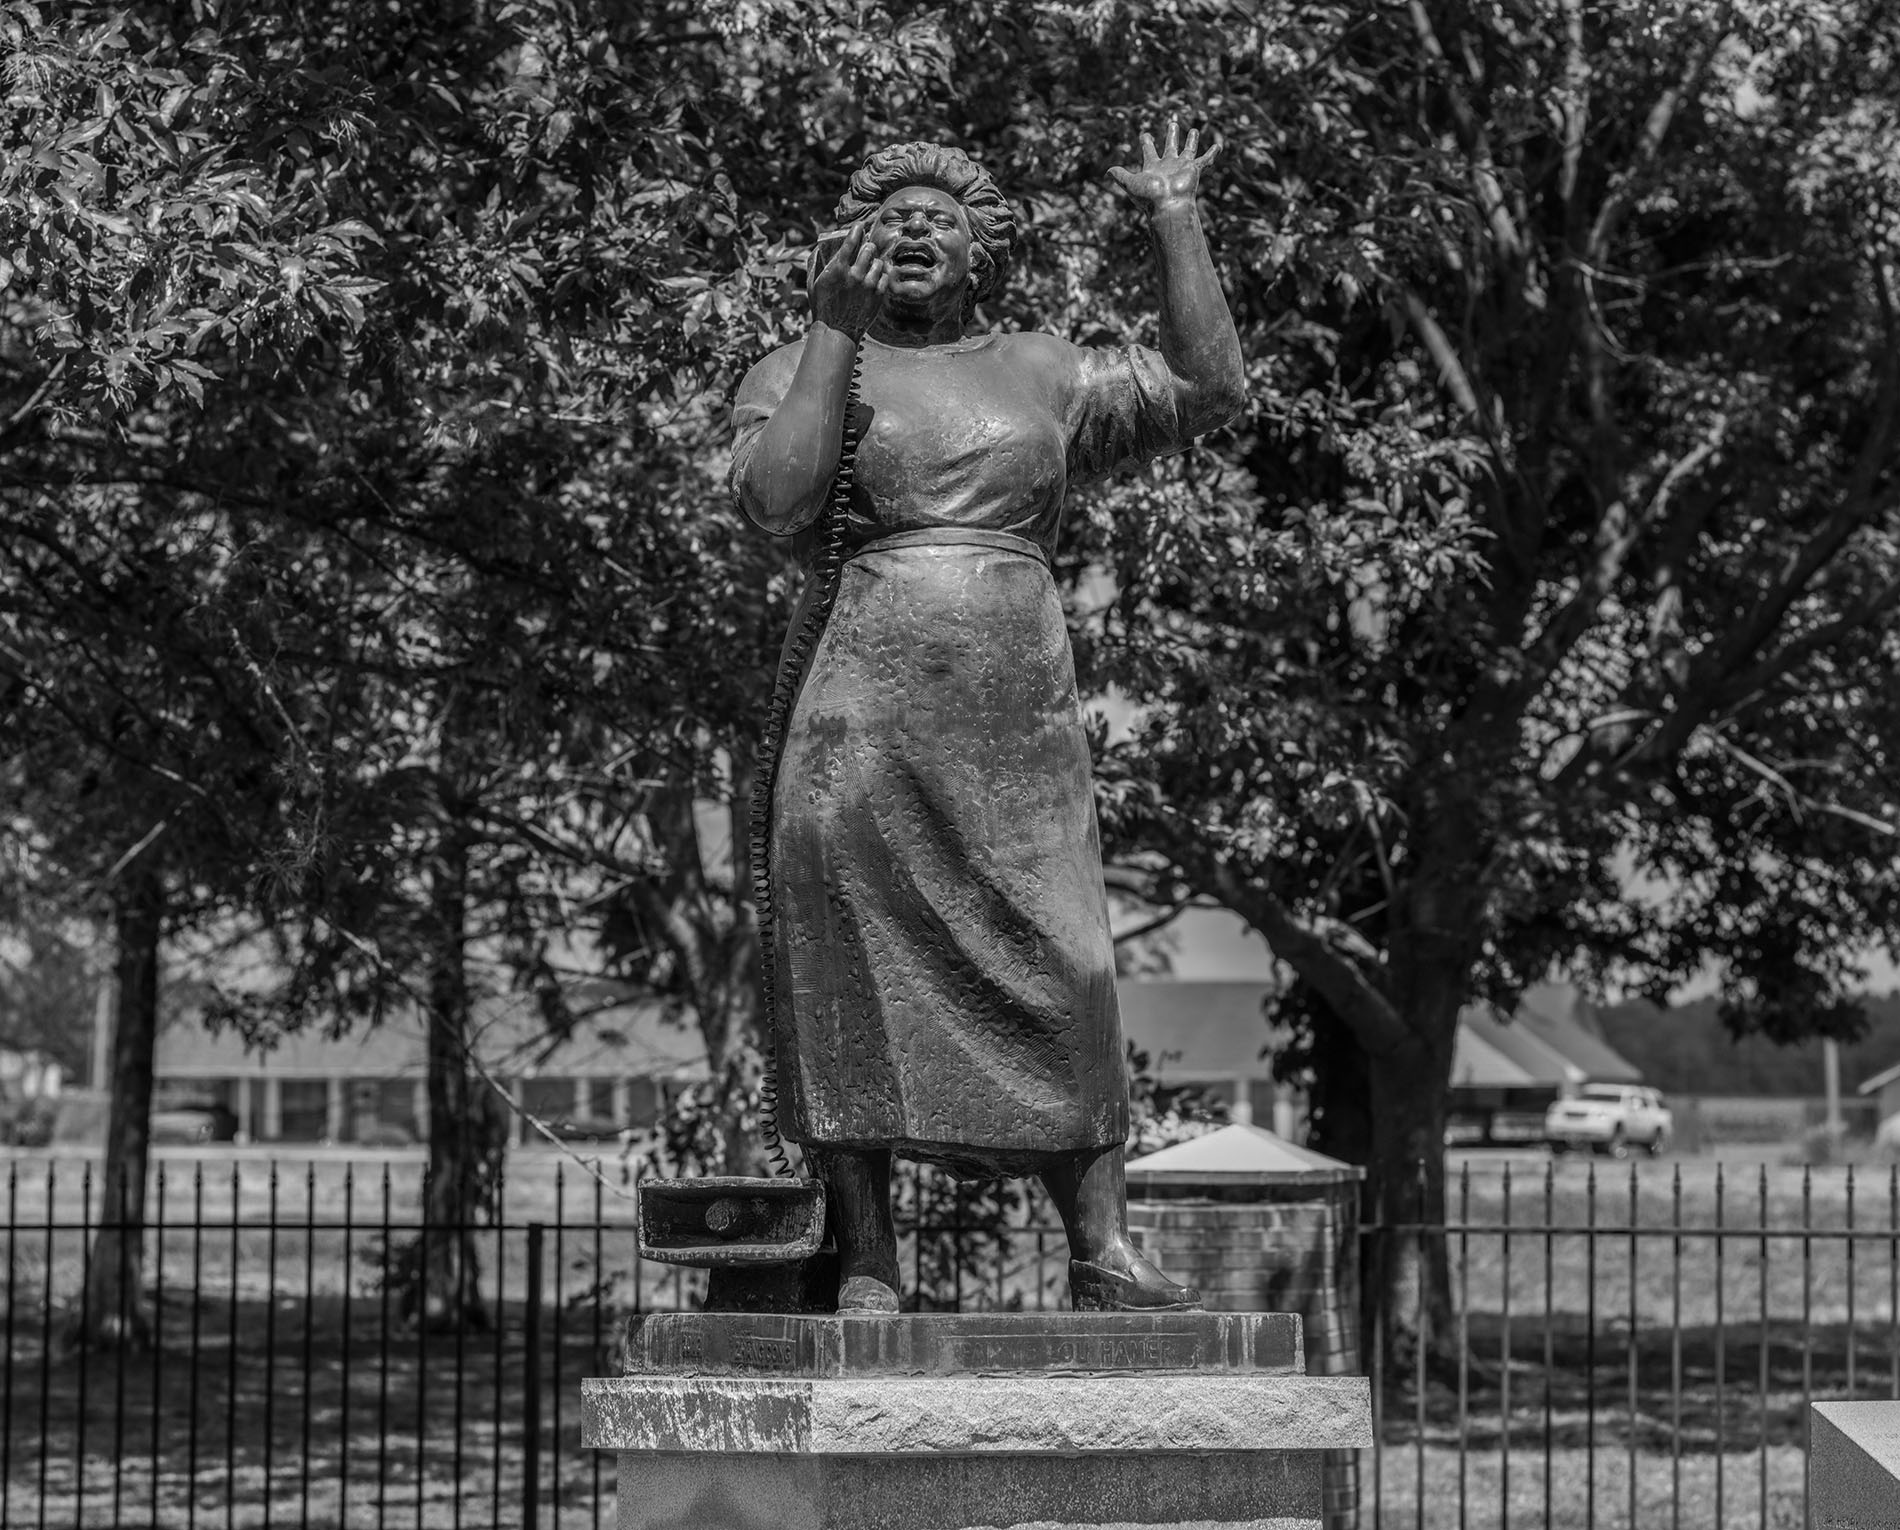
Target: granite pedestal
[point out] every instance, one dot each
(1017, 1421)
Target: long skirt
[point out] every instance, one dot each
(945, 969)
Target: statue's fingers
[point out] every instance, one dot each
(1121, 177)
(1193, 142)
(1212, 149)
(1174, 137)
(1149, 153)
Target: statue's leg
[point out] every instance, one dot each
(1107, 1273)
(858, 1194)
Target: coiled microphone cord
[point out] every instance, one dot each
(827, 568)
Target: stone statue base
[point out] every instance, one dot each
(975, 1421)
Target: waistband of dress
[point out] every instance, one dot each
(952, 536)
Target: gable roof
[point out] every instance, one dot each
(1197, 1029)
(1563, 1020)
(1495, 1054)
(630, 1040)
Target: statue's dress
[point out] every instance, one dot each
(945, 973)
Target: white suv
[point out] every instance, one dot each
(1610, 1118)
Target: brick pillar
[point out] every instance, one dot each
(1290, 1247)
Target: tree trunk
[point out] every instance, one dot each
(113, 1311)
(467, 1127)
(1407, 1277)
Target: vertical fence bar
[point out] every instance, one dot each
(600, 1300)
(12, 1306)
(1379, 1262)
(1893, 1279)
(497, 1402)
(231, 1366)
(345, 1344)
(1421, 1265)
(560, 1258)
(1852, 1280)
(1807, 1283)
(13, 1302)
(83, 1351)
(126, 1315)
(158, 1335)
(1675, 1350)
(1504, 1359)
(1721, 1356)
(1550, 1319)
(1764, 1368)
(1635, 1357)
(197, 1329)
(1464, 1338)
(460, 1252)
(1807, 1319)
(270, 1339)
(309, 1342)
(1590, 1351)
(382, 1365)
(418, 1296)
(531, 1385)
(46, 1339)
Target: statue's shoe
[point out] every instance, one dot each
(1140, 1288)
(866, 1294)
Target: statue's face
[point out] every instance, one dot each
(924, 236)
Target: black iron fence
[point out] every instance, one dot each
(1616, 1345)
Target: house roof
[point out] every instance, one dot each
(627, 1041)
(1478, 1064)
(1237, 1155)
(1880, 1080)
(1196, 1030)
(1487, 1053)
(1561, 1018)
(1538, 1047)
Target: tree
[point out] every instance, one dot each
(1565, 529)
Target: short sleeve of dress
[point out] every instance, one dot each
(1123, 407)
(760, 393)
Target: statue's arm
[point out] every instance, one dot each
(783, 480)
(1198, 338)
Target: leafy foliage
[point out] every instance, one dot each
(363, 532)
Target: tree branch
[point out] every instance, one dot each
(1796, 651)
(1472, 136)
(1622, 194)
(1617, 534)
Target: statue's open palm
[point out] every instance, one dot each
(1171, 175)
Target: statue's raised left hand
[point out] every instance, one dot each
(1172, 174)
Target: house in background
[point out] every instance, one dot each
(368, 1086)
(1506, 1073)
(618, 1066)
(1213, 1035)
(1884, 1087)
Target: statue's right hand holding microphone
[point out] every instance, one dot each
(849, 280)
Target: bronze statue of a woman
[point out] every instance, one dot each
(942, 973)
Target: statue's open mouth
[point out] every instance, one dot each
(913, 256)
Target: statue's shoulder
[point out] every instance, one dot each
(1049, 355)
(770, 376)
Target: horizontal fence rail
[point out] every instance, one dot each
(1577, 1346)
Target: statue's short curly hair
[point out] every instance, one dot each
(992, 219)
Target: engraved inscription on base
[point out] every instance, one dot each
(1132, 1352)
